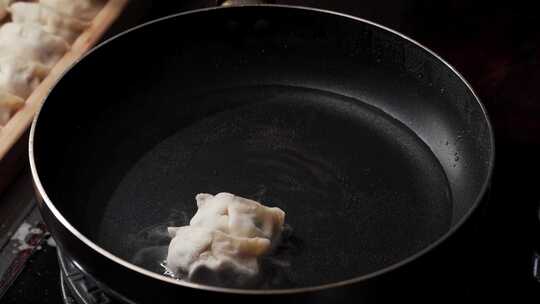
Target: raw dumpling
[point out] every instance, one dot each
(50, 20)
(237, 216)
(82, 9)
(196, 247)
(188, 243)
(9, 104)
(224, 240)
(29, 42)
(20, 77)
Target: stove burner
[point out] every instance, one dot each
(78, 288)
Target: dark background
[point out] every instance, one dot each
(497, 48)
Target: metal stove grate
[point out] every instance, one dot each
(77, 288)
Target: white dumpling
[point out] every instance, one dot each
(187, 244)
(20, 77)
(237, 215)
(231, 260)
(190, 244)
(82, 9)
(50, 20)
(29, 42)
(203, 255)
(224, 240)
(9, 104)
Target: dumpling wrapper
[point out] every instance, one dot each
(49, 19)
(224, 240)
(9, 104)
(204, 255)
(81, 9)
(187, 244)
(29, 42)
(20, 77)
(237, 216)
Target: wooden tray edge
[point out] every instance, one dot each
(20, 122)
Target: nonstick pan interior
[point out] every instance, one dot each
(341, 170)
(371, 162)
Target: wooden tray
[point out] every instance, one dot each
(16, 129)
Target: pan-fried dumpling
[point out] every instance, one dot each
(50, 20)
(82, 9)
(224, 240)
(9, 104)
(29, 42)
(20, 77)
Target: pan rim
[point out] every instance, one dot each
(103, 252)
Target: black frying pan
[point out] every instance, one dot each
(375, 148)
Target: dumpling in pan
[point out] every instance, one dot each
(29, 42)
(50, 20)
(214, 257)
(9, 104)
(224, 240)
(82, 9)
(20, 77)
(237, 216)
